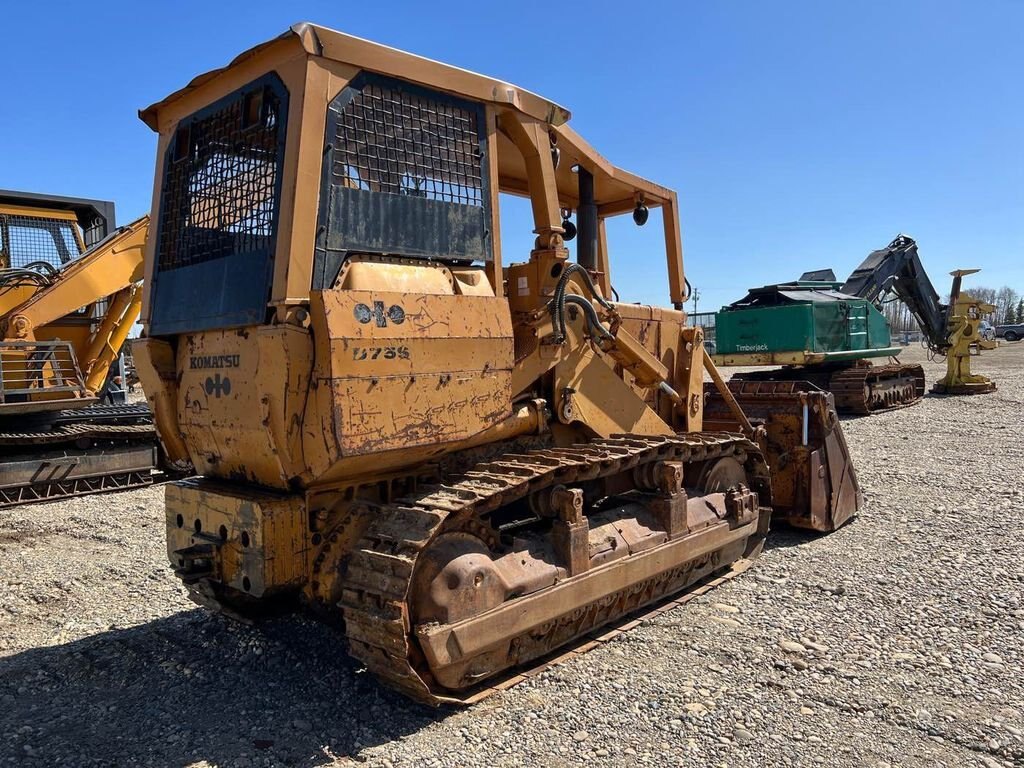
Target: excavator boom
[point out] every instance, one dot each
(950, 329)
(110, 270)
(897, 268)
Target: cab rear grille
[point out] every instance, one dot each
(220, 187)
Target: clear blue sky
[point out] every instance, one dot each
(799, 135)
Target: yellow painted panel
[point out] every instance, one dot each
(399, 371)
(374, 415)
(381, 314)
(414, 357)
(231, 383)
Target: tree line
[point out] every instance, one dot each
(1009, 308)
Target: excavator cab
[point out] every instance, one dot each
(39, 235)
(469, 457)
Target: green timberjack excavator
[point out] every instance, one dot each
(828, 333)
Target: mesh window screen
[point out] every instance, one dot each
(406, 173)
(24, 239)
(407, 143)
(219, 209)
(220, 189)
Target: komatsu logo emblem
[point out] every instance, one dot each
(218, 385)
(366, 314)
(200, 362)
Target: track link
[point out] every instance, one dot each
(54, 490)
(55, 455)
(859, 388)
(864, 389)
(97, 422)
(375, 596)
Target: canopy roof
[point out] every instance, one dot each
(798, 292)
(615, 189)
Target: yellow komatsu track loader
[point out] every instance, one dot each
(469, 457)
(70, 291)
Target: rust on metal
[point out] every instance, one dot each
(382, 624)
(473, 459)
(813, 479)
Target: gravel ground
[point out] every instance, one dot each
(896, 641)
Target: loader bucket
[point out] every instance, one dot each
(813, 481)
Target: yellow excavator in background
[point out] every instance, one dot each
(70, 292)
(468, 462)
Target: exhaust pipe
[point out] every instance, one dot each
(586, 221)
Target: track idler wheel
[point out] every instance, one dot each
(456, 579)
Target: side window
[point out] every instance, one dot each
(219, 206)
(27, 240)
(67, 235)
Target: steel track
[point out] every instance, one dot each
(374, 598)
(850, 385)
(62, 489)
(96, 422)
(54, 439)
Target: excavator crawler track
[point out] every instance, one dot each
(97, 422)
(76, 452)
(859, 389)
(864, 389)
(376, 600)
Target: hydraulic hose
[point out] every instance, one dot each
(558, 301)
(11, 278)
(593, 321)
(598, 330)
(44, 267)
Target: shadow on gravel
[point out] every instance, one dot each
(783, 536)
(853, 417)
(196, 687)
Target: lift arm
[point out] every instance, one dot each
(898, 268)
